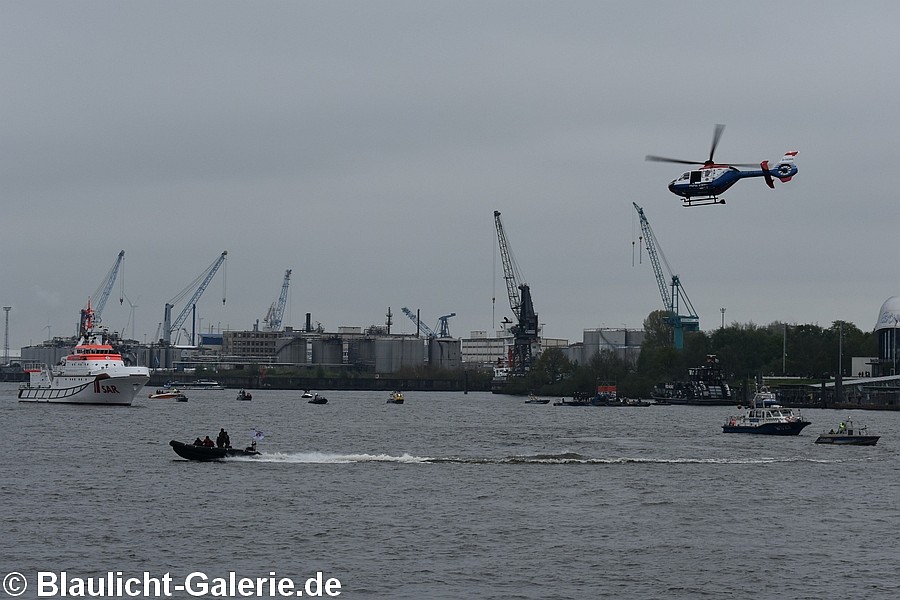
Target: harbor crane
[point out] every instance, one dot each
(276, 311)
(443, 325)
(428, 331)
(198, 286)
(674, 300)
(525, 331)
(101, 295)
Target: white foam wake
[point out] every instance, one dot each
(334, 458)
(564, 458)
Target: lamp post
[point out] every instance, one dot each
(6, 309)
(784, 351)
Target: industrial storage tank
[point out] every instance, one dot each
(886, 329)
(395, 352)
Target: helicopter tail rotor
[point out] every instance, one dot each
(786, 169)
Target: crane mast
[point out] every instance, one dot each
(510, 268)
(443, 325)
(525, 331)
(276, 312)
(101, 295)
(671, 300)
(169, 326)
(428, 331)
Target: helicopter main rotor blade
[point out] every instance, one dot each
(717, 134)
(654, 158)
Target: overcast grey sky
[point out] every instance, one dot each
(365, 145)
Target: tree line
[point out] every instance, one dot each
(745, 351)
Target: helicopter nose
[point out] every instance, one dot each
(672, 186)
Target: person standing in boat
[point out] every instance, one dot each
(220, 439)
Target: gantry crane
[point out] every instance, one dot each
(525, 331)
(276, 312)
(674, 300)
(198, 286)
(444, 325)
(101, 295)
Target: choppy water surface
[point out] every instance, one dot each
(453, 496)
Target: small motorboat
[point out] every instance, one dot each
(532, 399)
(396, 398)
(572, 402)
(168, 394)
(601, 400)
(317, 399)
(765, 416)
(307, 394)
(208, 453)
(848, 434)
(243, 395)
(578, 399)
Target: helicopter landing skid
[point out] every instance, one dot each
(702, 201)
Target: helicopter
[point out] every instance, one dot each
(703, 186)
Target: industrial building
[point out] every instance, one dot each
(624, 343)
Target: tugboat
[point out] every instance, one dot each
(848, 434)
(706, 386)
(608, 395)
(765, 416)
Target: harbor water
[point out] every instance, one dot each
(451, 495)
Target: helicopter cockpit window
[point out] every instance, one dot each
(685, 176)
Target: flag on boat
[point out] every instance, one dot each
(257, 435)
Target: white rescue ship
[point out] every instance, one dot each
(93, 373)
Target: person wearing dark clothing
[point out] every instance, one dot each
(198, 442)
(220, 439)
(208, 442)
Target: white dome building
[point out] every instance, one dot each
(888, 337)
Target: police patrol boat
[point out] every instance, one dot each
(765, 416)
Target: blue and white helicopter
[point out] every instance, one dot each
(705, 184)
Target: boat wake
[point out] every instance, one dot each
(572, 458)
(333, 458)
(565, 458)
